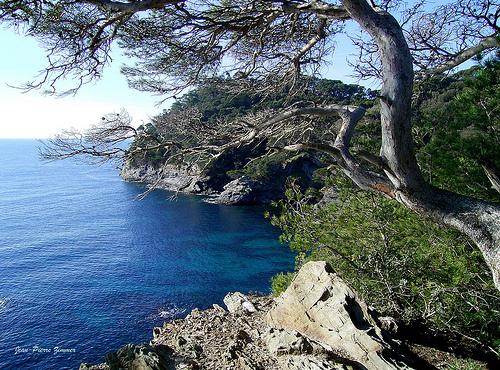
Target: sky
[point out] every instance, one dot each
(32, 115)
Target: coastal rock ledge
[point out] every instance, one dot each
(318, 323)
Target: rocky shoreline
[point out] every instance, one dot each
(319, 323)
(239, 190)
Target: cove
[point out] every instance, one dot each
(85, 268)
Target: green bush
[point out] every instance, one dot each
(406, 267)
(280, 282)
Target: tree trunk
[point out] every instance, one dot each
(478, 219)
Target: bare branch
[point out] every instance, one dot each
(131, 7)
(488, 43)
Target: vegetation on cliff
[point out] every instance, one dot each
(406, 267)
(210, 108)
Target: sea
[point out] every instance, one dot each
(86, 267)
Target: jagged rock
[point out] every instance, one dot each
(244, 191)
(297, 352)
(290, 342)
(321, 306)
(112, 361)
(141, 357)
(217, 307)
(247, 364)
(309, 363)
(170, 177)
(387, 323)
(238, 301)
(87, 366)
(229, 340)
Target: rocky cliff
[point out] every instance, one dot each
(170, 177)
(319, 323)
(222, 188)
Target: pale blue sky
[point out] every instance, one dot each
(31, 115)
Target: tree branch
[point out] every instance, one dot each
(130, 7)
(319, 8)
(492, 171)
(487, 43)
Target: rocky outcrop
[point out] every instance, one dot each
(222, 188)
(244, 191)
(173, 178)
(318, 323)
(238, 301)
(325, 313)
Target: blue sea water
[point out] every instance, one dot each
(86, 269)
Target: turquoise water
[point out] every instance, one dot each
(86, 269)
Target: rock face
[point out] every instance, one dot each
(244, 191)
(217, 184)
(329, 315)
(319, 323)
(170, 177)
(137, 357)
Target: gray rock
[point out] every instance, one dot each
(238, 301)
(144, 357)
(297, 352)
(322, 307)
(85, 366)
(310, 363)
(287, 342)
(170, 177)
(238, 191)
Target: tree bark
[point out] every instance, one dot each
(478, 219)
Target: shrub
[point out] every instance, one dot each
(280, 282)
(406, 267)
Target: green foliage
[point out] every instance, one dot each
(216, 104)
(468, 365)
(280, 282)
(406, 267)
(263, 169)
(456, 122)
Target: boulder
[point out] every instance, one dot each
(238, 301)
(141, 357)
(244, 191)
(320, 306)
